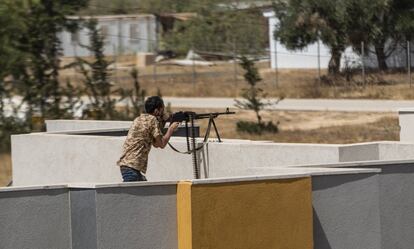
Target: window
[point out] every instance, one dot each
(74, 37)
(105, 33)
(134, 33)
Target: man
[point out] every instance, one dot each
(144, 132)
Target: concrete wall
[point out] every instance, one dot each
(77, 125)
(396, 184)
(230, 159)
(346, 211)
(139, 215)
(35, 218)
(44, 158)
(352, 208)
(259, 214)
(406, 120)
(346, 205)
(53, 159)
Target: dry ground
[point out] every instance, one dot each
(5, 169)
(314, 127)
(226, 80)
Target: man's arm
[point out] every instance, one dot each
(162, 141)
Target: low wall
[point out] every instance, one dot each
(124, 217)
(346, 212)
(76, 125)
(44, 158)
(335, 208)
(35, 218)
(406, 120)
(89, 216)
(396, 189)
(273, 213)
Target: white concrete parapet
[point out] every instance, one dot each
(406, 119)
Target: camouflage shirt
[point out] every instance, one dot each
(137, 146)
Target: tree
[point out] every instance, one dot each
(253, 100)
(97, 73)
(11, 58)
(380, 24)
(303, 22)
(220, 30)
(136, 96)
(38, 42)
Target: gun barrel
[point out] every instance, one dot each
(213, 114)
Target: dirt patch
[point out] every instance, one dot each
(5, 169)
(313, 127)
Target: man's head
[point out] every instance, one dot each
(155, 106)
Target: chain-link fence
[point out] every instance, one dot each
(301, 73)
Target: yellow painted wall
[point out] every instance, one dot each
(275, 214)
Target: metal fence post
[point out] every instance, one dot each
(115, 63)
(319, 63)
(362, 62)
(235, 69)
(194, 68)
(409, 62)
(154, 69)
(276, 66)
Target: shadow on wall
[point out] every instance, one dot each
(319, 237)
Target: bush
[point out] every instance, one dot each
(10, 126)
(255, 128)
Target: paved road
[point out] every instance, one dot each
(357, 105)
(287, 104)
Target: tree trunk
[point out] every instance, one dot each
(335, 61)
(381, 57)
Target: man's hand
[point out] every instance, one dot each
(174, 126)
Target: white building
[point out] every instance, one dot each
(124, 34)
(319, 54)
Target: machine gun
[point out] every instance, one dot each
(190, 117)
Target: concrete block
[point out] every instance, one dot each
(128, 215)
(406, 120)
(145, 59)
(396, 205)
(346, 211)
(396, 184)
(137, 217)
(77, 125)
(359, 152)
(44, 159)
(35, 219)
(396, 151)
(269, 214)
(230, 159)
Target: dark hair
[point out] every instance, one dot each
(153, 103)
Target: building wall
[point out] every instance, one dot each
(118, 36)
(281, 57)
